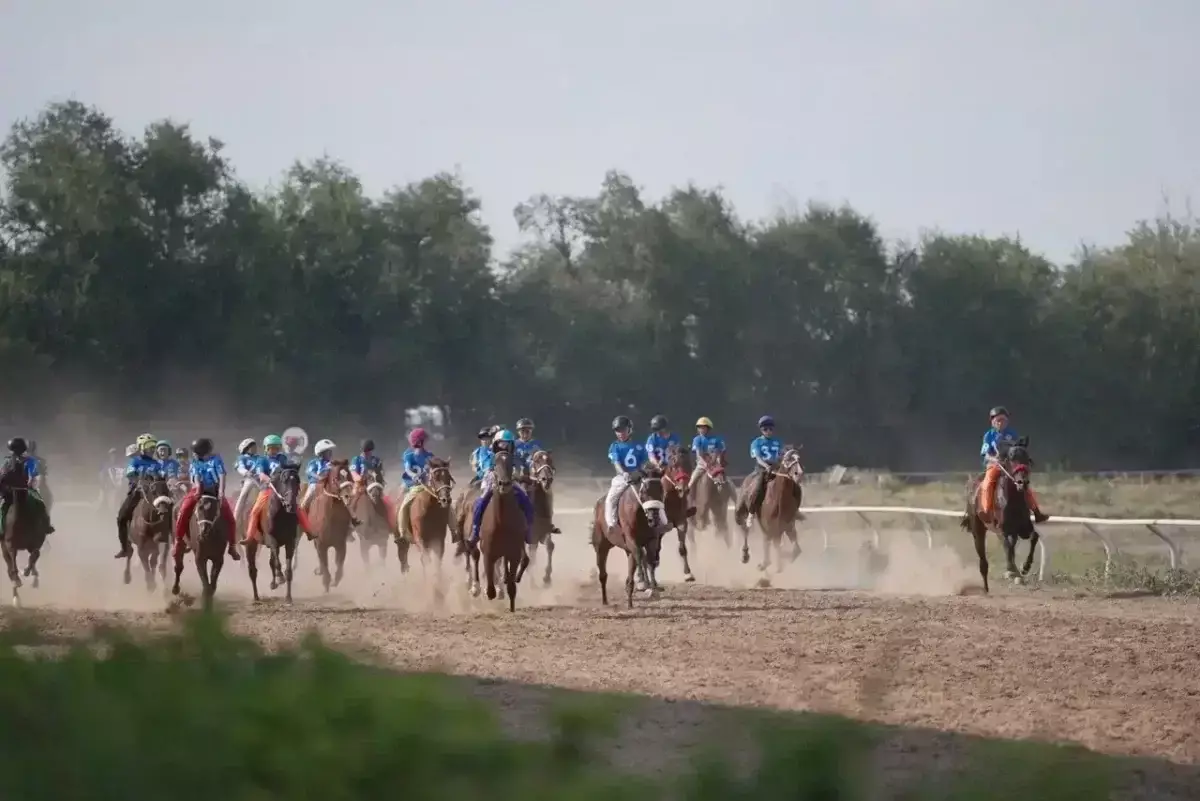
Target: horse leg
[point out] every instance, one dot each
(745, 540)
(549, 561)
(323, 566)
(635, 564)
(252, 566)
(979, 533)
(1033, 542)
(602, 569)
(683, 552)
(202, 570)
(511, 566)
(766, 546)
(178, 568)
(147, 568)
(217, 564)
(31, 567)
(289, 549)
(339, 562)
(364, 548)
(163, 550)
(489, 567)
(10, 561)
(402, 546)
(473, 571)
(128, 576)
(1010, 555)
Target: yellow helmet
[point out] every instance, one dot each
(704, 421)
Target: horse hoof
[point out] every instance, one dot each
(1018, 579)
(175, 590)
(16, 602)
(128, 578)
(689, 577)
(648, 592)
(1009, 574)
(35, 582)
(546, 582)
(28, 572)
(745, 556)
(475, 592)
(274, 585)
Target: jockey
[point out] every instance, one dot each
(627, 458)
(142, 463)
(275, 457)
(247, 467)
(20, 471)
(659, 440)
(364, 461)
(765, 450)
(185, 463)
(318, 467)
(480, 454)
(996, 441)
(709, 449)
(504, 441)
(167, 460)
(207, 473)
(526, 446)
(416, 459)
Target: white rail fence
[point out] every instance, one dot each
(1093, 525)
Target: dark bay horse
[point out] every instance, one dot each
(370, 506)
(636, 534)
(429, 517)
(538, 483)
(1012, 517)
(712, 494)
(781, 507)
(24, 529)
(677, 470)
(274, 521)
(330, 520)
(207, 540)
(501, 535)
(150, 529)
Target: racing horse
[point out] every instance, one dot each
(275, 521)
(712, 493)
(330, 520)
(638, 533)
(538, 483)
(150, 529)
(780, 507)
(370, 506)
(676, 506)
(25, 528)
(207, 540)
(1012, 517)
(501, 536)
(428, 517)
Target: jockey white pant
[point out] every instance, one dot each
(308, 494)
(248, 493)
(699, 471)
(612, 501)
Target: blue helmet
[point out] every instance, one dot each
(766, 421)
(504, 435)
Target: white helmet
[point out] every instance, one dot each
(246, 443)
(323, 446)
(131, 450)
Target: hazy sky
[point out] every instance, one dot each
(1063, 120)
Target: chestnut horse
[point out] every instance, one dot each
(781, 507)
(636, 534)
(538, 483)
(370, 506)
(330, 520)
(712, 494)
(501, 535)
(429, 517)
(150, 529)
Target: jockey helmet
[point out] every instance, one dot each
(272, 441)
(143, 438)
(997, 411)
(622, 423)
(162, 443)
(17, 446)
(658, 422)
(248, 442)
(504, 435)
(149, 444)
(704, 421)
(131, 450)
(202, 447)
(324, 446)
(524, 422)
(766, 421)
(485, 433)
(368, 445)
(416, 437)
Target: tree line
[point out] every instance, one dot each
(125, 260)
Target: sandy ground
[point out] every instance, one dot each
(891, 640)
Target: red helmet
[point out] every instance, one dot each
(416, 437)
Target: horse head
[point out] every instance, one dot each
(157, 493)
(502, 470)
(678, 470)
(286, 484)
(1020, 463)
(374, 485)
(208, 512)
(439, 481)
(541, 469)
(337, 482)
(789, 463)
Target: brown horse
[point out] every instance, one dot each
(274, 520)
(428, 517)
(330, 520)
(712, 493)
(1011, 518)
(538, 483)
(370, 506)
(677, 470)
(501, 535)
(780, 508)
(207, 540)
(150, 529)
(25, 528)
(636, 534)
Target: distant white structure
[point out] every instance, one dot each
(430, 418)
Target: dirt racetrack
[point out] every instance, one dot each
(1118, 675)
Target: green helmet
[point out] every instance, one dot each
(272, 439)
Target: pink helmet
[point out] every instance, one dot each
(416, 437)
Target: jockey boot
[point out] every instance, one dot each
(1039, 516)
(126, 548)
(233, 553)
(555, 529)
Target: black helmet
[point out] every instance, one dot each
(658, 422)
(202, 446)
(622, 423)
(524, 422)
(997, 411)
(485, 433)
(17, 446)
(368, 445)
